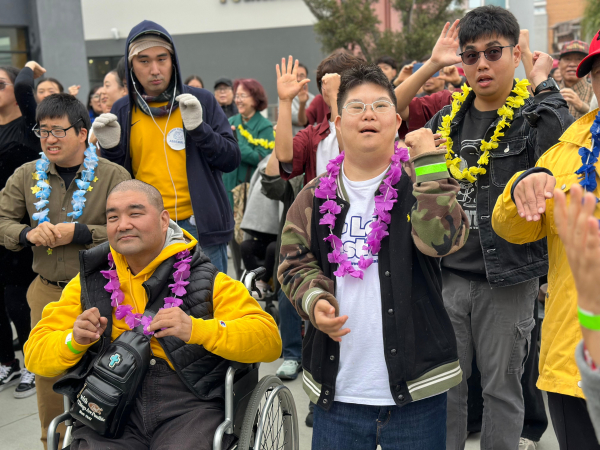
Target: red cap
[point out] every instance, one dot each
(586, 64)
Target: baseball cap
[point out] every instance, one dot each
(575, 47)
(225, 81)
(586, 64)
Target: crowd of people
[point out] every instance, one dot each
(421, 224)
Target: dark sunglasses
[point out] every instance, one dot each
(470, 57)
(3, 85)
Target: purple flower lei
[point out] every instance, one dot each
(384, 203)
(132, 320)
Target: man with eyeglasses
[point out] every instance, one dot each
(224, 96)
(380, 352)
(55, 236)
(490, 286)
(577, 91)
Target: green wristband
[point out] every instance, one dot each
(588, 320)
(430, 168)
(68, 342)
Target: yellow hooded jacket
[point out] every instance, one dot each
(560, 330)
(240, 331)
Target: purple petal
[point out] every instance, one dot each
(328, 219)
(172, 302)
(325, 193)
(182, 262)
(334, 241)
(183, 254)
(364, 263)
(356, 273)
(146, 321)
(181, 276)
(109, 274)
(132, 319)
(338, 159)
(122, 311)
(110, 258)
(330, 206)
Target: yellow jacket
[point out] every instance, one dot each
(247, 335)
(560, 330)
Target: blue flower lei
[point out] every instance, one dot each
(42, 188)
(589, 158)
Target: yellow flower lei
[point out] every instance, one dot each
(506, 113)
(269, 145)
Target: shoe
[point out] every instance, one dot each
(289, 370)
(9, 375)
(26, 387)
(309, 417)
(527, 444)
(263, 287)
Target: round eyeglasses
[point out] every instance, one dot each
(379, 107)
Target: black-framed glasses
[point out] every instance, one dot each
(470, 57)
(3, 85)
(379, 106)
(56, 132)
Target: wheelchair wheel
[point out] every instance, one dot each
(270, 418)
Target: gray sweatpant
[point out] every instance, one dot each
(497, 324)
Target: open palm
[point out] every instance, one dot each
(445, 51)
(288, 86)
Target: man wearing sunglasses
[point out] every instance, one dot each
(62, 127)
(490, 286)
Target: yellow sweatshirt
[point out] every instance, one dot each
(240, 331)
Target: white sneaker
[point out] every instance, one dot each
(289, 370)
(9, 375)
(527, 444)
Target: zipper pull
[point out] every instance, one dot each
(82, 389)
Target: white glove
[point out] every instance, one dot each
(107, 129)
(191, 111)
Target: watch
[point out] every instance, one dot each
(547, 85)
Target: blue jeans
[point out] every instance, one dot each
(216, 253)
(417, 426)
(290, 327)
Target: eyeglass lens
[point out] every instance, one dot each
(57, 133)
(3, 85)
(491, 54)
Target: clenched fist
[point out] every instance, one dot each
(191, 111)
(107, 129)
(89, 326)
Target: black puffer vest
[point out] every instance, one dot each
(201, 371)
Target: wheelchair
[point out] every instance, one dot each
(259, 415)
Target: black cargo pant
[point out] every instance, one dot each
(166, 415)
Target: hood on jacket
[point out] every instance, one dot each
(143, 28)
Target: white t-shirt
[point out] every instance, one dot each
(327, 149)
(362, 376)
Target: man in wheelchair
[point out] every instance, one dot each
(187, 319)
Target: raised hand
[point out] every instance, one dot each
(445, 50)
(74, 90)
(191, 111)
(422, 141)
(107, 129)
(450, 75)
(328, 323)
(288, 86)
(405, 72)
(542, 65)
(38, 70)
(531, 193)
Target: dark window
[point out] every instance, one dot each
(99, 66)
(13, 46)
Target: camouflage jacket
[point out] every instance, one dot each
(427, 223)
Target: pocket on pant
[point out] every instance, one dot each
(521, 345)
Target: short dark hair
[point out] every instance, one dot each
(56, 106)
(365, 73)
(256, 91)
(52, 80)
(152, 194)
(121, 72)
(488, 21)
(93, 91)
(303, 66)
(193, 77)
(11, 71)
(387, 60)
(337, 62)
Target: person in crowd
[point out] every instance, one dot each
(63, 195)
(104, 101)
(389, 66)
(114, 89)
(260, 225)
(215, 320)
(351, 280)
(290, 323)
(489, 139)
(434, 84)
(181, 143)
(122, 71)
(555, 73)
(523, 215)
(224, 96)
(302, 101)
(47, 86)
(194, 81)
(255, 137)
(579, 234)
(93, 105)
(310, 150)
(575, 90)
(18, 145)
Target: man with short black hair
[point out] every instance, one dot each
(494, 129)
(389, 66)
(380, 352)
(224, 96)
(64, 194)
(576, 91)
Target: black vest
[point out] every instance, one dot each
(201, 371)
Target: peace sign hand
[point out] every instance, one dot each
(288, 86)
